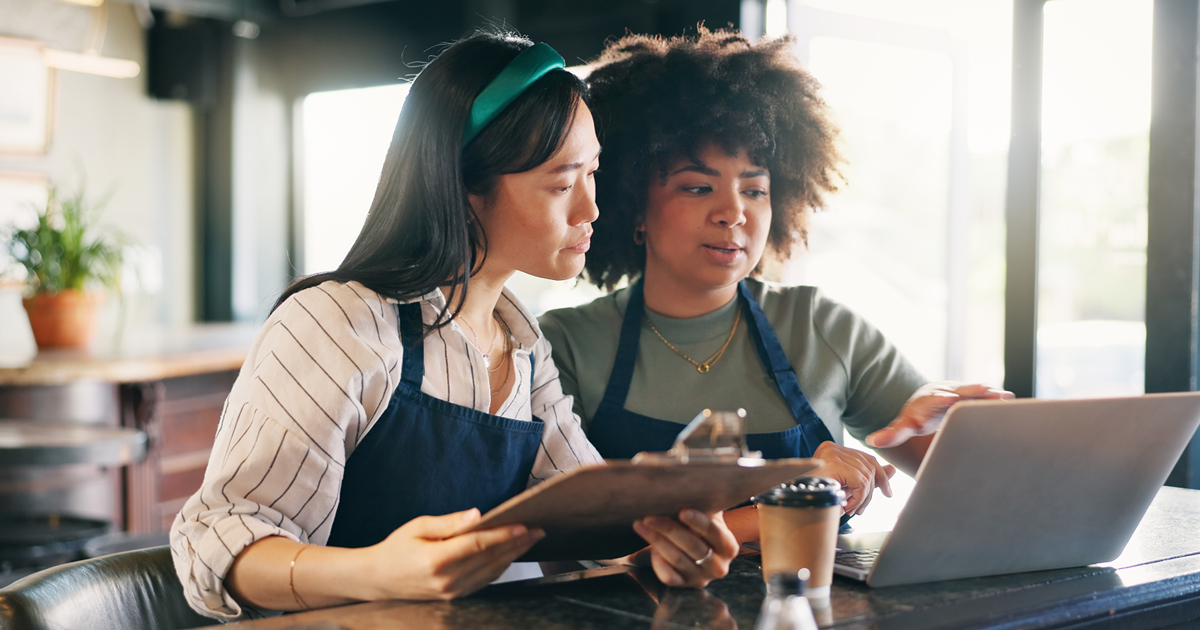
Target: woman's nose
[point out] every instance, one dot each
(730, 209)
(585, 209)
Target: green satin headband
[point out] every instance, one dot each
(532, 64)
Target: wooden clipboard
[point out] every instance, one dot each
(588, 513)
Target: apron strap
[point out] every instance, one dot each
(627, 349)
(766, 342)
(412, 340)
(774, 359)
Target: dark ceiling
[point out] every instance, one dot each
(313, 45)
(577, 28)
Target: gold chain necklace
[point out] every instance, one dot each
(506, 358)
(704, 367)
(487, 356)
(504, 382)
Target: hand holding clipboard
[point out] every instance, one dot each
(588, 513)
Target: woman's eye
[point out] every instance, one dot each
(562, 189)
(697, 190)
(756, 194)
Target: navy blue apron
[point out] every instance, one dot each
(620, 434)
(427, 456)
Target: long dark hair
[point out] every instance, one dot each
(421, 232)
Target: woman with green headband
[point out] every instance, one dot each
(387, 403)
(716, 151)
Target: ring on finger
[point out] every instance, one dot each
(708, 555)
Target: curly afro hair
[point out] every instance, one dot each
(658, 100)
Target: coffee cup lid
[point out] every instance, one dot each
(804, 492)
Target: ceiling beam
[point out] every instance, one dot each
(225, 10)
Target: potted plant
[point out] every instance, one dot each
(68, 261)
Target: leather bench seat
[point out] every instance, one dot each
(134, 589)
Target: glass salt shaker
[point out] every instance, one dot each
(784, 607)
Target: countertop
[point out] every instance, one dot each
(1155, 583)
(147, 355)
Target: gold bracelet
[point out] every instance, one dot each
(292, 578)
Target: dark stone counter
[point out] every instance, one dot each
(1154, 584)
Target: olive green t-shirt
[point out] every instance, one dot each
(852, 376)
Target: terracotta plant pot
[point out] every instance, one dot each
(66, 319)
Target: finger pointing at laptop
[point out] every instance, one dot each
(902, 443)
(923, 413)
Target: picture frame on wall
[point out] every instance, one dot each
(22, 194)
(26, 103)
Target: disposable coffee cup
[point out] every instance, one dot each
(798, 525)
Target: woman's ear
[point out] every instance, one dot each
(639, 231)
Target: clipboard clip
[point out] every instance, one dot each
(712, 436)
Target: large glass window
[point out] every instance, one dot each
(914, 240)
(881, 246)
(1095, 144)
(345, 138)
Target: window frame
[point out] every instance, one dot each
(1173, 245)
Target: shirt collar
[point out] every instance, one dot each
(520, 321)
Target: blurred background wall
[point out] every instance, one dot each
(197, 151)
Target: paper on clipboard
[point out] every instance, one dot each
(588, 513)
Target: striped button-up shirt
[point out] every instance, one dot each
(318, 376)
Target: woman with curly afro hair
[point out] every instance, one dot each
(715, 152)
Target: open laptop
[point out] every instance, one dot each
(1027, 485)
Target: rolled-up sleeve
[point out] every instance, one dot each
(320, 373)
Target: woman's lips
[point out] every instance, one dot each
(582, 246)
(723, 253)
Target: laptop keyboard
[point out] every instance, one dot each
(862, 559)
